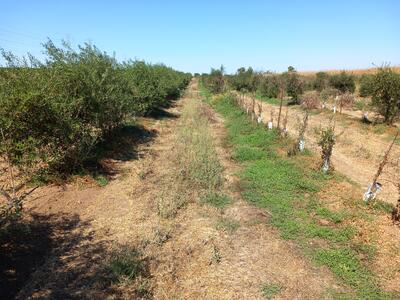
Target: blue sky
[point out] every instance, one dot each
(196, 35)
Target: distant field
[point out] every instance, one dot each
(354, 71)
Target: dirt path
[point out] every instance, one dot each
(357, 153)
(189, 256)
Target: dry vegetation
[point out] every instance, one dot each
(352, 71)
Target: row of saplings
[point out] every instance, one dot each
(328, 136)
(53, 113)
(381, 91)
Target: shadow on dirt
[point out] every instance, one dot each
(56, 256)
(122, 145)
(61, 253)
(160, 114)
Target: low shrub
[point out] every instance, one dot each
(310, 100)
(385, 93)
(343, 82)
(124, 264)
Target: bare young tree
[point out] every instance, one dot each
(253, 109)
(326, 142)
(242, 99)
(310, 100)
(281, 94)
(260, 109)
(393, 176)
(271, 120)
(284, 131)
(375, 186)
(346, 100)
(299, 145)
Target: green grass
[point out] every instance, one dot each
(228, 225)
(274, 101)
(287, 187)
(101, 180)
(360, 104)
(382, 206)
(380, 128)
(345, 264)
(245, 153)
(216, 199)
(270, 290)
(124, 264)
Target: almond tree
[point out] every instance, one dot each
(299, 145)
(375, 186)
(394, 178)
(326, 142)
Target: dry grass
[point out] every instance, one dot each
(196, 157)
(197, 170)
(352, 71)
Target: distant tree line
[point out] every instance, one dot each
(383, 87)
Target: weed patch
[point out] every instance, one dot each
(228, 225)
(124, 264)
(101, 180)
(270, 290)
(216, 199)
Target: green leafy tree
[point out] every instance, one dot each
(216, 80)
(245, 80)
(343, 82)
(321, 81)
(385, 93)
(293, 84)
(269, 85)
(366, 85)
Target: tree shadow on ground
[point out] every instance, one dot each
(160, 114)
(53, 257)
(122, 145)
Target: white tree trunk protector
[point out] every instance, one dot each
(270, 125)
(259, 119)
(369, 194)
(247, 110)
(334, 109)
(325, 166)
(302, 145)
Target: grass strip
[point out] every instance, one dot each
(287, 187)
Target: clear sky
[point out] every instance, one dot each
(196, 35)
